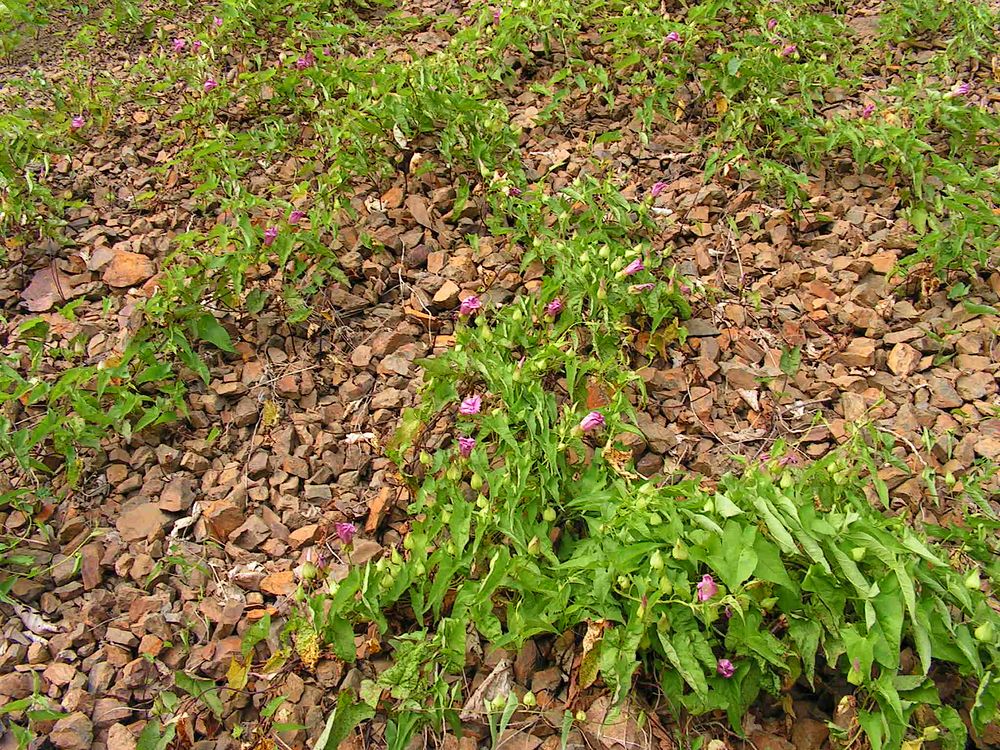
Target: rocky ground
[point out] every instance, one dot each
(180, 538)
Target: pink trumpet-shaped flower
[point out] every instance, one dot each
(791, 49)
(554, 308)
(210, 84)
(217, 22)
(77, 122)
(296, 216)
(470, 305)
(707, 588)
(772, 24)
(470, 405)
(673, 37)
(725, 668)
(868, 111)
(179, 45)
(962, 89)
(658, 187)
(345, 532)
(270, 235)
(634, 267)
(592, 421)
(196, 45)
(465, 445)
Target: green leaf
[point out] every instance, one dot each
(255, 634)
(681, 655)
(790, 361)
(342, 720)
(201, 690)
(272, 705)
(343, 638)
(207, 328)
(974, 308)
(155, 737)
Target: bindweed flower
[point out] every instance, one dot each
(554, 308)
(179, 45)
(210, 84)
(470, 405)
(77, 122)
(593, 421)
(791, 49)
(725, 668)
(270, 235)
(640, 288)
(772, 24)
(961, 89)
(868, 110)
(196, 45)
(217, 22)
(296, 216)
(465, 445)
(673, 37)
(634, 267)
(707, 588)
(305, 61)
(470, 305)
(658, 187)
(345, 532)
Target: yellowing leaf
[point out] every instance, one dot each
(271, 414)
(591, 654)
(236, 675)
(721, 105)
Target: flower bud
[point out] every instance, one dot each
(534, 547)
(476, 481)
(656, 561)
(680, 551)
(858, 553)
(972, 581)
(654, 519)
(549, 514)
(453, 472)
(581, 715)
(984, 633)
(529, 699)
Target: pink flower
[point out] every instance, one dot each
(634, 267)
(707, 588)
(470, 405)
(592, 421)
(305, 61)
(673, 37)
(345, 532)
(725, 668)
(465, 445)
(296, 216)
(791, 49)
(77, 122)
(196, 45)
(868, 111)
(658, 187)
(210, 84)
(327, 51)
(790, 460)
(639, 288)
(961, 89)
(470, 305)
(270, 235)
(554, 308)
(772, 23)
(496, 15)
(514, 191)
(217, 22)
(179, 45)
